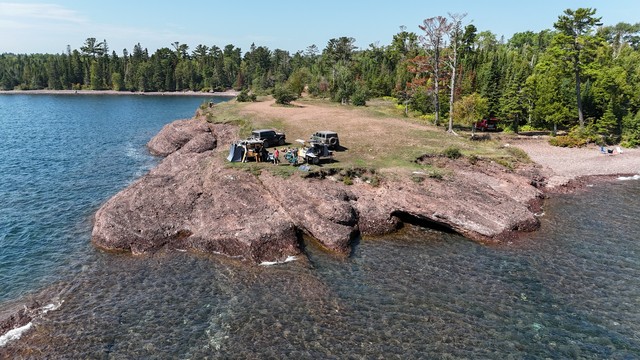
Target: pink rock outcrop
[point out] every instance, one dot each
(193, 201)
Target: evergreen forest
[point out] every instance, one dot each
(580, 76)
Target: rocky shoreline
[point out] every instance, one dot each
(193, 201)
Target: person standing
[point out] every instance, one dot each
(276, 156)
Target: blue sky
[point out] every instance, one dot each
(48, 26)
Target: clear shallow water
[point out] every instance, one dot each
(571, 290)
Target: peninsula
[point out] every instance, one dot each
(391, 170)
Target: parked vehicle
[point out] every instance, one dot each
(327, 137)
(269, 137)
(315, 153)
(487, 124)
(311, 152)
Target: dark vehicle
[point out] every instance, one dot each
(326, 137)
(487, 124)
(269, 137)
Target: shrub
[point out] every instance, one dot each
(630, 143)
(244, 96)
(631, 130)
(417, 177)
(452, 152)
(436, 174)
(318, 88)
(430, 118)
(567, 141)
(528, 128)
(421, 101)
(480, 137)
(577, 137)
(506, 163)
(519, 154)
(360, 96)
(298, 80)
(283, 95)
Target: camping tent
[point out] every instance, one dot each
(236, 152)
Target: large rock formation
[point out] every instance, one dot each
(193, 201)
(481, 202)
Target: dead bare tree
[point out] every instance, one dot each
(455, 34)
(436, 29)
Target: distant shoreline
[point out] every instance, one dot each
(229, 93)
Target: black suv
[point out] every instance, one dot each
(269, 137)
(329, 138)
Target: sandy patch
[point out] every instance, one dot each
(566, 164)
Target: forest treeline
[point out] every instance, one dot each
(579, 75)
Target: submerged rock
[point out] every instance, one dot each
(193, 201)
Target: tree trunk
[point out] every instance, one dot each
(436, 79)
(580, 115)
(453, 89)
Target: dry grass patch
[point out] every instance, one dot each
(374, 137)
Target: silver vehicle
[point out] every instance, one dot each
(330, 138)
(313, 152)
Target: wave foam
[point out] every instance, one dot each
(51, 307)
(634, 177)
(133, 152)
(288, 259)
(14, 334)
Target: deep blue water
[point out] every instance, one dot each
(60, 158)
(570, 290)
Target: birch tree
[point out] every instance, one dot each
(434, 40)
(455, 35)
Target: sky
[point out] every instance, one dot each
(48, 26)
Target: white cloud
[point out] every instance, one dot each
(38, 12)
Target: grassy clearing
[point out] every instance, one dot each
(229, 113)
(377, 137)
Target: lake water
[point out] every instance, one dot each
(570, 290)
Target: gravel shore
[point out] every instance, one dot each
(566, 164)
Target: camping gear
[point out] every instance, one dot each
(291, 156)
(247, 149)
(236, 153)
